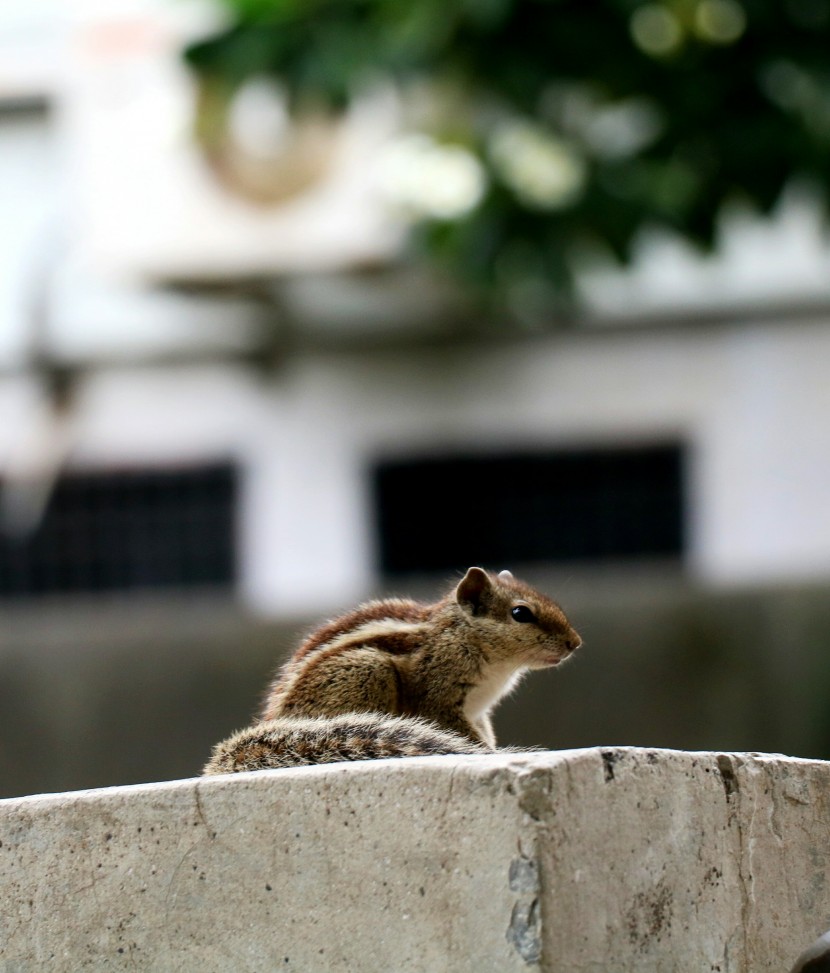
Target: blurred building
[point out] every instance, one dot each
(221, 420)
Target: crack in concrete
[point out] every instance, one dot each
(748, 843)
(172, 886)
(524, 931)
(525, 878)
(734, 789)
(200, 811)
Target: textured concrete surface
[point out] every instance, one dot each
(589, 860)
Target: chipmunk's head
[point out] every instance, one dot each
(517, 622)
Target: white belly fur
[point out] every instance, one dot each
(498, 681)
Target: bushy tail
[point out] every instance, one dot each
(294, 742)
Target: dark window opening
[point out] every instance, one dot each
(122, 531)
(437, 514)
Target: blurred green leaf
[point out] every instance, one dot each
(738, 92)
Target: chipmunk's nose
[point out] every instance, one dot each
(573, 642)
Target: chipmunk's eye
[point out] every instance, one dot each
(521, 613)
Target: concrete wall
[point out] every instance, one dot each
(593, 860)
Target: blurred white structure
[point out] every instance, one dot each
(112, 183)
(128, 108)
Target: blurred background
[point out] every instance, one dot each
(307, 302)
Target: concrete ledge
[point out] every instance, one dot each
(596, 860)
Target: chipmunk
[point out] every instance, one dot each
(403, 678)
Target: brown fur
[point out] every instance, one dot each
(433, 671)
(397, 608)
(320, 740)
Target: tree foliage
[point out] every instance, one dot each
(584, 121)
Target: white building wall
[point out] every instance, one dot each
(751, 402)
(766, 511)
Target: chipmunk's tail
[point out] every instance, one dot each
(294, 742)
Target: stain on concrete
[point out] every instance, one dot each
(609, 759)
(650, 915)
(728, 775)
(534, 795)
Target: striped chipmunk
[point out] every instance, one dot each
(399, 678)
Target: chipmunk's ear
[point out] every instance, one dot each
(473, 591)
(506, 575)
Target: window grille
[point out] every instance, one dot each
(127, 530)
(441, 513)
